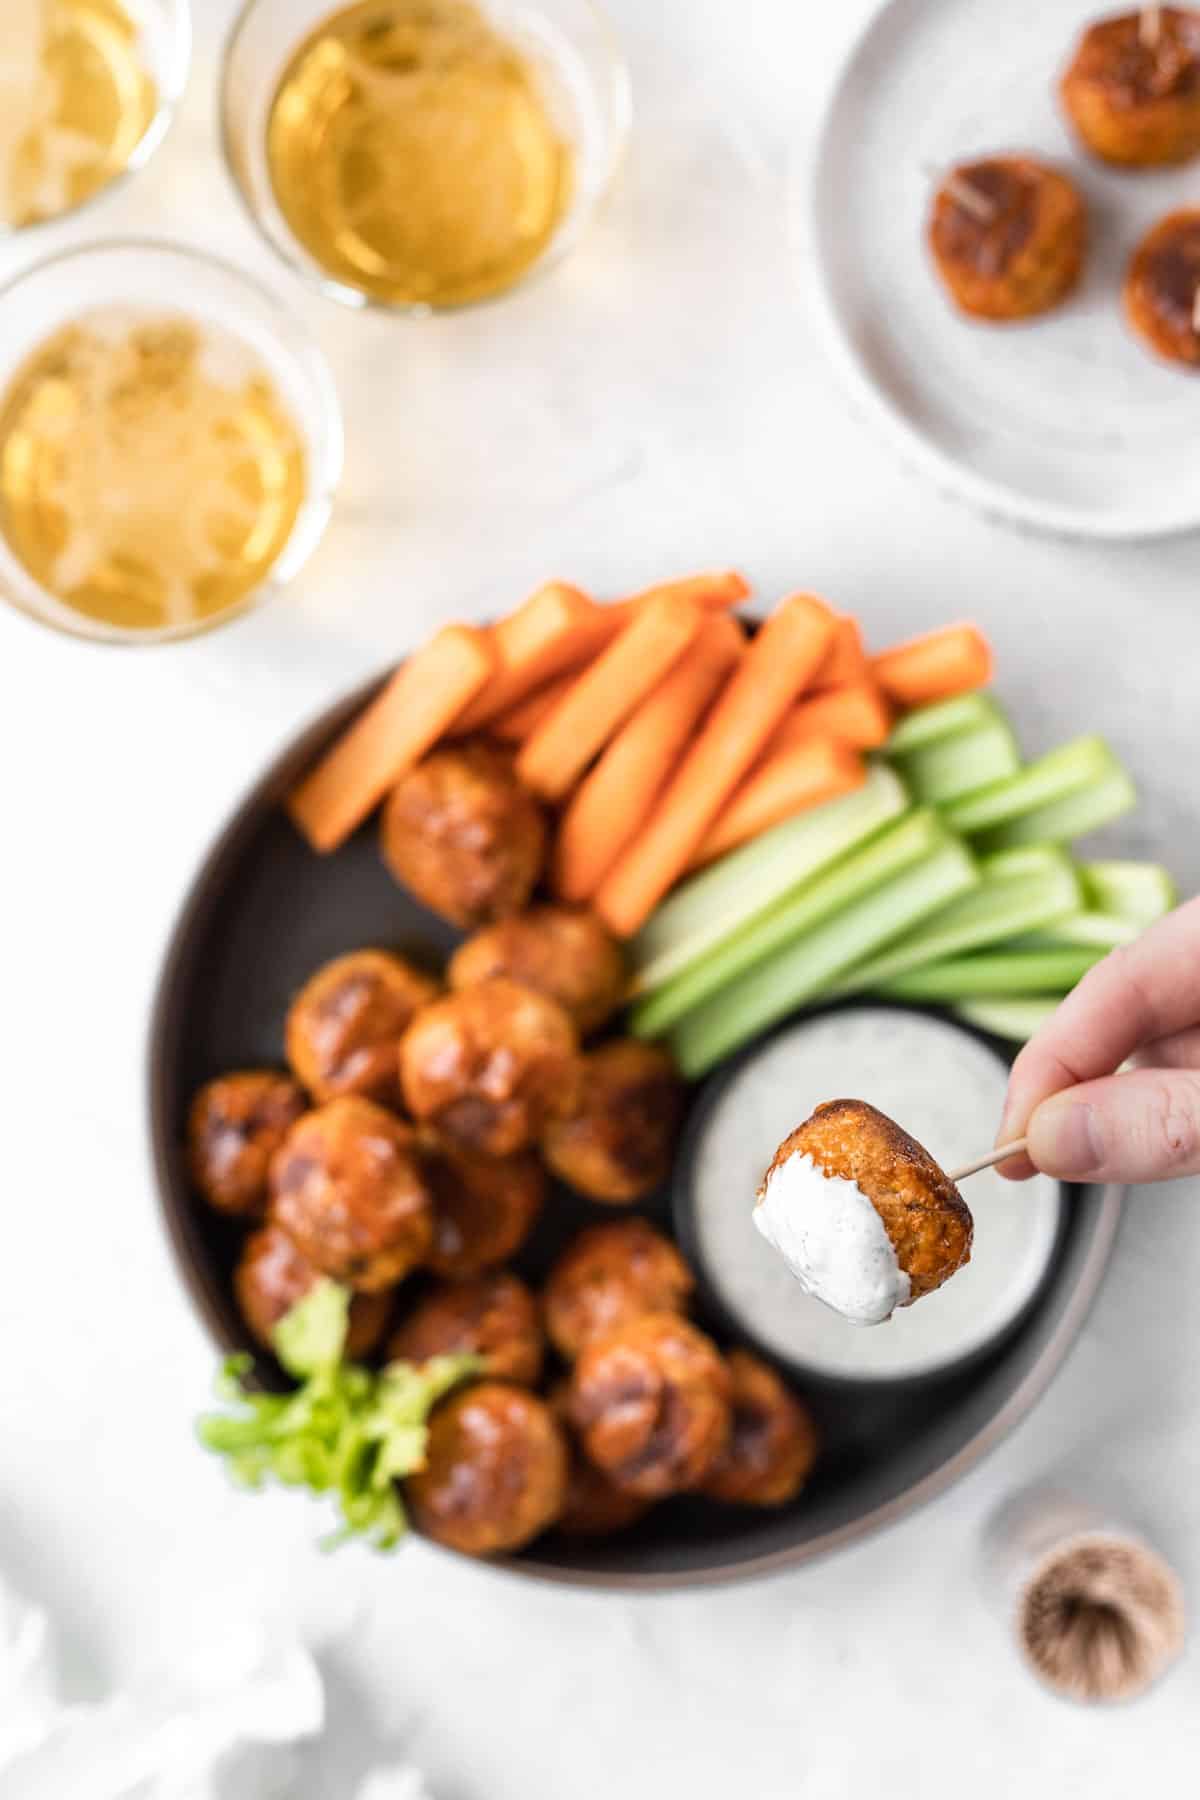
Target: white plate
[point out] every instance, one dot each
(1064, 423)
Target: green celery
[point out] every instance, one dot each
(947, 768)
(1060, 821)
(1016, 1020)
(715, 904)
(1096, 929)
(946, 718)
(1138, 891)
(1000, 972)
(1080, 764)
(799, 972)
(913, 838)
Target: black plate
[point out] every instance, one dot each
(263, 913)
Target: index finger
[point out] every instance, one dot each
(1145, 990)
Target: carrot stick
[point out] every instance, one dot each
(716, 591)
(557, 628)
(935, 667)
(561, 748)
(779, 663)
(515, 725)
(421, 700)
(615, 798)
(847, 660)
(856, 714)
(806, 775)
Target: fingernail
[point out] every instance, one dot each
(1065, 1138)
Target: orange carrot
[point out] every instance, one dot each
(419, 703)
(779, 663)
(716, 591)
(561, 748)
(615, 798)
(847, 660)
(515, 725)
(806, 775)
(935, 667)
(856, 714)
(557, 628)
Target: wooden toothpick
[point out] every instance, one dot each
(1196, 311)
(1150, 26)
(1016, 1148)
(970, 198)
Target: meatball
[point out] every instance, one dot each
(651, 1403)
(1132, 91)
(1008, 237)
(347, 1188)
(494, 1317)
(594, 1507)
(861, 1213)
(235, 1126)
(489, 1067)
(618, 1141)
(557, 950)
(773, 1443)
(344, 1028)
(608, 1275)
(483, 1210)
(1162, 288)
(462, 835)
(271, 1276)
(495, 1471)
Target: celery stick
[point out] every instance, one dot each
(946, 718)
(713, 905)
(1059, 821)
(1020, 891)
(1017, 1020)
(1000, 972)
(909, 841)
(1138, 891)
(1083, 763)
(780, 984)
(948, 767)
(1100, 930)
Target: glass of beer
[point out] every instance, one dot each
(88, 89)
(422, 154)
(170, 442)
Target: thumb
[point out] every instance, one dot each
(1140, 1126)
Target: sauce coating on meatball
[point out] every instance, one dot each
(1132, 89)
(560, 951)
(618, 1142)
(1008, 237)
(494, 1317)
(483, 1207)
(608, 1275)
(495, 1472)
(773, 1443)
(272, 1276)
(344, 1027)
(235, 1126)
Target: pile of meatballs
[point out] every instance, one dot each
(408, 1154)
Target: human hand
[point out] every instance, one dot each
(1085, 1122)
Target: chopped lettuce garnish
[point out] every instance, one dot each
(345, 1430)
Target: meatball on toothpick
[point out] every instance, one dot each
(1132, 91)
(860, 1212)
(1008, 237)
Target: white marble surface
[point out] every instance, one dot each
(656, 405)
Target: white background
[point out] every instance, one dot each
(656, 406)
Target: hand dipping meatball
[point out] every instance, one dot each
(344, 1028)
(235, 1126)
(860, 1212)
(651, 1403)
(1132, 91)
(487, 1068)
(462, 835)
(271, 1276)
(608, 1275)
(1008, 237)
(1162, 289)
(773, 1444)
(347, 1188)
(483, 1209)
(617, 1143)
(559, 951)
(495, 1472)
(494, 1316)
(595, 1506)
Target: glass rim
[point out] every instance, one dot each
(317, 506)
(146, 148)
(620, 109)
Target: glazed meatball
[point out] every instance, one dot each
(651, 1403)
(235, 1126)
(595, 1506)
(1162, 289)
(462, 835)
(489, 1067)
(495, 1471)
(494, 1317)
(1008, 237)
(483, 1209)
(271, 1276)
(347, 1188)
(557, 950)
(617, 1143)
(344, 1028)
(1132, 91)
(608, 1275)
(862, 1213)
(773, 1443)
